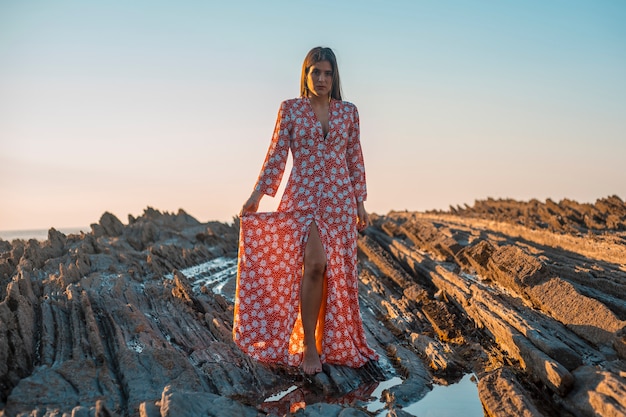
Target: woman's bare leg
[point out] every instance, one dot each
(311, 298)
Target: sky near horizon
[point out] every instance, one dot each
(118, 106)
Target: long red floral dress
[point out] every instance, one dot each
(326, 181)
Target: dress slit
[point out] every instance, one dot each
(319, 327)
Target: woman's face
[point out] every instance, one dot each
(319, 80)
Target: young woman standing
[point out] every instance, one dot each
(297, 284)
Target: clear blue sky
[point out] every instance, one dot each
(116, 106)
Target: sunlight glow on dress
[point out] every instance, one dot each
(326, 181)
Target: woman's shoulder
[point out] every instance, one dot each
(345, 106)
(291, 102)
(292, 105)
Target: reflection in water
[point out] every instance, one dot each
(375, 403)
(460, 399)
(295, 398)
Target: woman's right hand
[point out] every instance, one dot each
(252, 205)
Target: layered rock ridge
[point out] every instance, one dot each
(136, 319)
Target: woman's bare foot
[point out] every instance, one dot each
(311, 363)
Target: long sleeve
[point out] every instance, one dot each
(276, 158)
(354, 155)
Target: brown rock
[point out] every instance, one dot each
(176, 403)
(586, 316)
(597, 393)
(503, 396)
(111, 225)
(619, 344)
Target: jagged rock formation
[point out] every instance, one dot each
(136, 319)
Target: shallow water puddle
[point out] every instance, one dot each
(459, 399)
(300, 396)
(279, 396)
(376, 404)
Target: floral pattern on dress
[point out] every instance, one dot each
(326, 182)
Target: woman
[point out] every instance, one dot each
(297, 284)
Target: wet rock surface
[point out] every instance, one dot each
(136, 319)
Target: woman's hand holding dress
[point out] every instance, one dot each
(252, 205)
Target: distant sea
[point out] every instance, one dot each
(39, 234)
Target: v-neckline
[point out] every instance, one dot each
(318, 121)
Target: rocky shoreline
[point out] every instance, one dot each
(135, 319)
